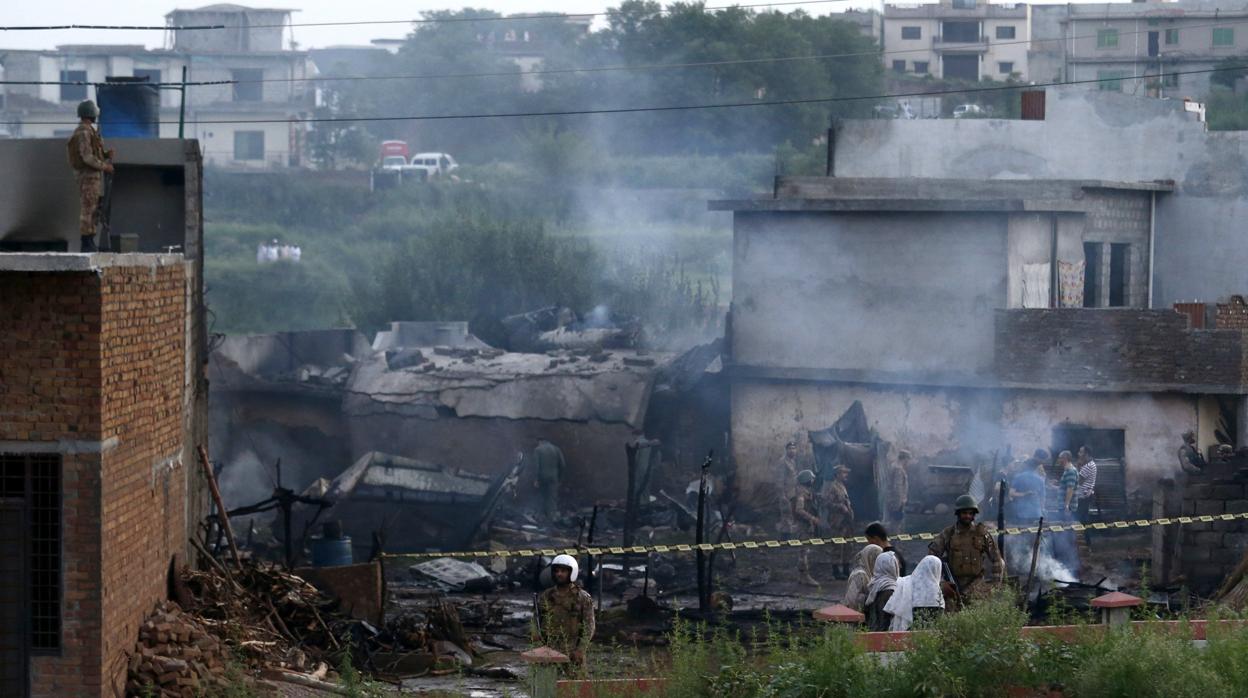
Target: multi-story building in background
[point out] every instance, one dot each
(250, 121)
(1171, 40)
(958, 39)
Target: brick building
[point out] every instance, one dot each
(103, 400)
(967, 317)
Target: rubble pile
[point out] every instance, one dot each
(176, 655)
(256, 618)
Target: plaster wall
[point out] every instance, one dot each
(902, 292)
(930, 421)
(1091, 135)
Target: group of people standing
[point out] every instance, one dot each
(809, 509)
(950, 576)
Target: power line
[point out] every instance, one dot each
(353, 23)
(610, 68)
(685, 107)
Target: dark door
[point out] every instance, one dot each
(958, 66)
(14, 637)
(1154, 44)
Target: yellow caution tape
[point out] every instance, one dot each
(799, 542)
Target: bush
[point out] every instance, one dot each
(1126, 664)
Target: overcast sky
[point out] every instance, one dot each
(152, 12)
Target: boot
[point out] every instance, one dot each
(806, 579)
(88, 244)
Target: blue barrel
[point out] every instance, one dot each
(129, 108)
(331, 552)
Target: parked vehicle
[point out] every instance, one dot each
(394, 148)
(965, 110)
(432, 165)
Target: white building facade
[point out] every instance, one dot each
(958, 39)
(251, 123)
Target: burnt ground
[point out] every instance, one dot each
(761, 584)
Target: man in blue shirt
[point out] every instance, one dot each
(1026, 504)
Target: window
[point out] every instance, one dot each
(1107, 38)
(249, 145)
(152, 74)
(912, 32)
(36, 478)
(247, 85)
(963, 4)
(1223, 36)
(1169, 79)
(1110, 80)
(1005, 67)
(1119, 273)
(899, 66)
(960, 67)
(1092, 275)
(922, 67)
(1172, 37)
(1005, 32)
(959, 31)
(73, 93)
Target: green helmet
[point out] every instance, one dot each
(966, 501)
(806, 477)
(88, 110)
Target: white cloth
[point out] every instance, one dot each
(920, 589)
(884, 577)
(1036, 285)
(860, 578)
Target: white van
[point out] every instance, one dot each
(433, 165)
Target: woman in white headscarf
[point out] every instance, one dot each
(917, 595)
(860, 578)
(880, 590)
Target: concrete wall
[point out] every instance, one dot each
(1094, 136)
(931, 421)
(156, 193)
(901, 292)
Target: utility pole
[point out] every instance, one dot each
(182, 106)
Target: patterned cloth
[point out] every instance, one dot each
(1087, 479)
(860, 578)
(1070, 284)
(88, 158)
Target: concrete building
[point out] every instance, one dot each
(103, 401)
(253, 52)
(1120, 40)
(870, 23)
(958, 39)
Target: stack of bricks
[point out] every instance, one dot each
(176, 656)
(1208, 551)
(1233, 314)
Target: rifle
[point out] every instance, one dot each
(537, 617)
(948, 575)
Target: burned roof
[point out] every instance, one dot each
(386, 476)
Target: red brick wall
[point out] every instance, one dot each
(88, 357)
(143, 494)
(49, 391)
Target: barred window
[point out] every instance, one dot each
(36, 478)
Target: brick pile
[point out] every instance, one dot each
(1233, 314)
(176, 656)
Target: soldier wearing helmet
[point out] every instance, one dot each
(964, 546)
(90, 161)
(806, 521)
(567, 622)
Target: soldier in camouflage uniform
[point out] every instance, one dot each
(840, 515)
(567, 613)
(806, 522)
(963, 546)
(549, 462)
(90, 161)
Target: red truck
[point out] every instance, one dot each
(394, 155)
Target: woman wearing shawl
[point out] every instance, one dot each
(917, 595)
(860, 578)
(880, 590)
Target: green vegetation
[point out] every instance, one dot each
(978, 653)
(478, 250)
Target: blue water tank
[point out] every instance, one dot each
(129, 108)
(331, 552)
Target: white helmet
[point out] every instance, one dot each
(567, 561)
